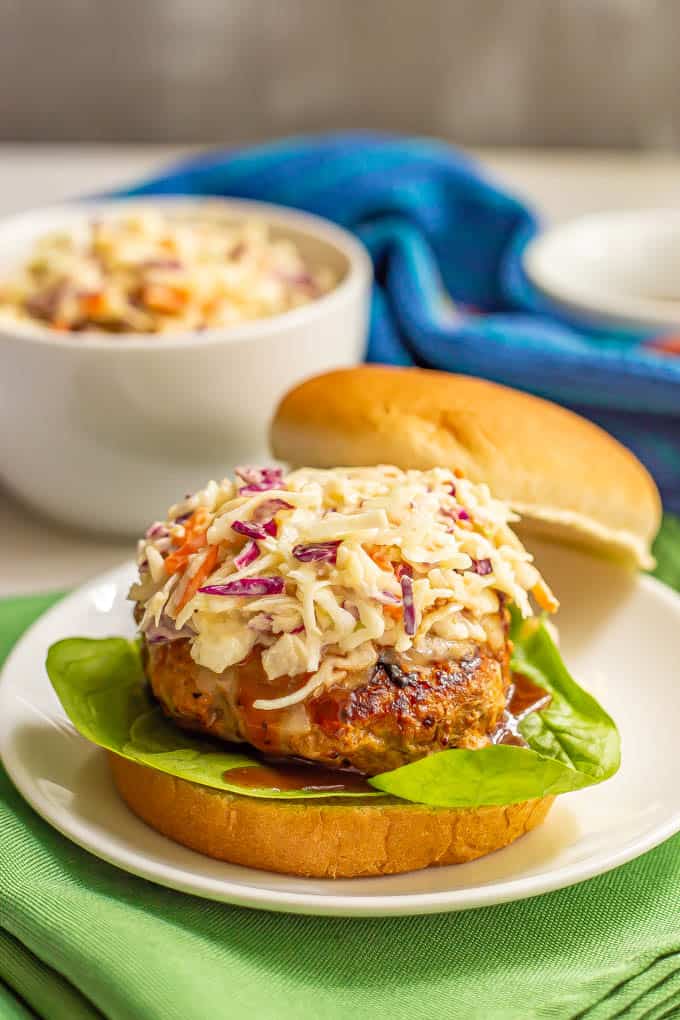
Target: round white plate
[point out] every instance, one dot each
(613, 268)
(621, 636)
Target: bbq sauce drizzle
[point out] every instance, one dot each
(524, 697)
(279, 776)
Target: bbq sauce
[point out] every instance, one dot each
(261, 729)
(311, 778)
(261, 726)
(524, 696)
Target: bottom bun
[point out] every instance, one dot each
(324, 838)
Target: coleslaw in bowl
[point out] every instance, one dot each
(157, 270)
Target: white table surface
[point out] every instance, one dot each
(37, 555)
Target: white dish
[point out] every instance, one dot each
(620, 635)
(101, 431)
(617, 269)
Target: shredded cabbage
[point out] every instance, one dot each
(354, 559)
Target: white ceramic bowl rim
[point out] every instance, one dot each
(359, 269)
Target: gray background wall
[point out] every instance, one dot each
(533, 72)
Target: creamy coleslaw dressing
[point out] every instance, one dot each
(152, 271)
(335, 611)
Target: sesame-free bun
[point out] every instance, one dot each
(325, 838)
(567, 478)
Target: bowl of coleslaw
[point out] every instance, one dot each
(147, 342)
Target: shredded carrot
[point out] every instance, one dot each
(199, 520)
(395, 611)
(199, 577)
(545, 597)
(175, 561)
(194, 539)
(161, 298)
(458, 473)
(379, 556)
(93, 304)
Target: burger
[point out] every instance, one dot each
(347, 670)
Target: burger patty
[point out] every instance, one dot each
(376, 719)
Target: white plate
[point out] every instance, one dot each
(620, 634)
(613, 268)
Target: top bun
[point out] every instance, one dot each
(567, 478)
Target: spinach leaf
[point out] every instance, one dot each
(572, 743)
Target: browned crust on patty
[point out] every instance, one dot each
(319, 838)
(373, 721)
(396, 717)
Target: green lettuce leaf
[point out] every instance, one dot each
(102, 688)
(572, 743)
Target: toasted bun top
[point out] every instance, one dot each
(567, 478)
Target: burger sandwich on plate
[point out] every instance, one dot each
(346, 668)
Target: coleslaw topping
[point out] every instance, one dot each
(149, 271)
(328, 566)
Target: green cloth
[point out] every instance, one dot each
(81, 939)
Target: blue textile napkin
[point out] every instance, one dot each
(450, 292)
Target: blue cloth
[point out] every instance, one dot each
(436, 226)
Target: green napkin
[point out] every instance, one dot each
(79, 939)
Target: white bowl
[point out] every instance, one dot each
(616, 269)
(104, 432)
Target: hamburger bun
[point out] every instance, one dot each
(567, 478)
(320, 838)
